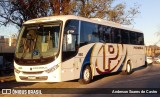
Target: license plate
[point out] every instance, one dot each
(31, 77)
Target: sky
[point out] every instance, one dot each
(147, 21)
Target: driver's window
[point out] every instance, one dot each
(69, 46)
(70, 39)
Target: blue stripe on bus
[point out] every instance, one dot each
(86, 61)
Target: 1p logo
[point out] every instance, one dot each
(111, 58)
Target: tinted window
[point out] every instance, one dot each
(89, 32)
(101, 32)
(133, 38)
(70, 39)
(72, 25)
(108, 34)
(140, 39)
(117, 35)
(125, 36)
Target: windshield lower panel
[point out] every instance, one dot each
(38, 43)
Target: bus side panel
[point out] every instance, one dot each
(108, 58)
(73, 68)
(136, 55)
(84, 57)
(103, 58)
(97, 59)
(67, 72)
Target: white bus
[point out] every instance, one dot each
(62, 48)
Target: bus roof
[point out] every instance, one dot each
(67, 17)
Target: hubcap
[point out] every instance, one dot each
(86, 75)
(128, 68)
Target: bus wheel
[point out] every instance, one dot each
(87, 75)
(128, 68)
(145, 65)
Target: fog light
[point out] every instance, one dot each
(16, 70)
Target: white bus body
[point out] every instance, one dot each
(62, 48)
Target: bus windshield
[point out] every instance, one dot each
(38, 41)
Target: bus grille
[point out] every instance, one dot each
(35, 78)
(39, 72)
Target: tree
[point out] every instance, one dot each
(106, 10)
(18, 11)
(96, 9)
(63, 7)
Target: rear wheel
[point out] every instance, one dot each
(128, 68)
(146, 64)
(87, 75)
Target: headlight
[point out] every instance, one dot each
(16, 70)
(52, 69)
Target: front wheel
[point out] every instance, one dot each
(87, 75)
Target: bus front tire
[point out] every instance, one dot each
(87, 75)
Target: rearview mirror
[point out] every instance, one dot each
(70, 31)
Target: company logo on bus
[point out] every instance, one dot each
(38, 68)
(110, 63)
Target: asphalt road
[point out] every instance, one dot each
(148, 78)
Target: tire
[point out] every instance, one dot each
(128, 68)
(87, 75)
(145, 65)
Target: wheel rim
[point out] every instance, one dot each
(86, 75)
(128, 68)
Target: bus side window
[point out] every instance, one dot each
(101, 31)
(70, 39)
(69, 42)
(89, 33)
(117, 35)
(140, 39)
(133, 38)
(125, 37)
(108, 34)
